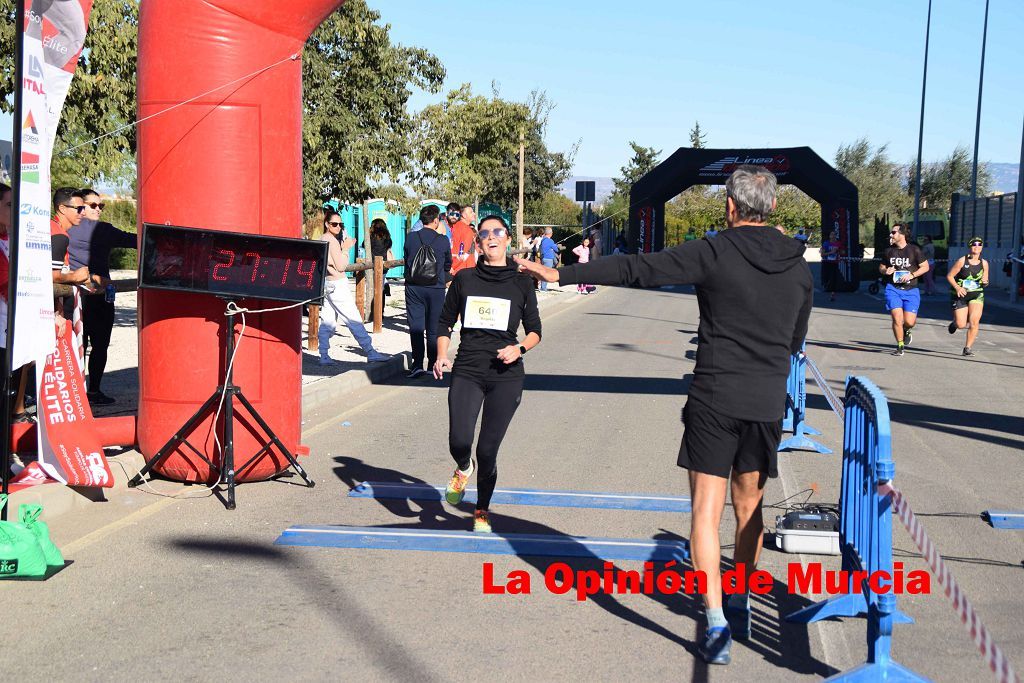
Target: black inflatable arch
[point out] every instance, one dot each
(798, 166)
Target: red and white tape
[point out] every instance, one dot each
(994, 656)
(830, 396)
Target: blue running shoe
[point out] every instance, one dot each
(739, 621)
(717, 642)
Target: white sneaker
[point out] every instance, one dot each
(327, 360)
(375, 356)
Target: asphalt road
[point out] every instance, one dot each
(161, 588)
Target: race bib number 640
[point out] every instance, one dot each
(486, 313)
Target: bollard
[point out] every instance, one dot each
(796, 409)
(313, 328)
(378, 293)
(865, 533)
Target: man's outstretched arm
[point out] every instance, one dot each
(687, 263)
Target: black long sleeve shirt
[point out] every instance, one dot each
(754, 291)
(492, 302)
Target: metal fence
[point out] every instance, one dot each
(990, 218)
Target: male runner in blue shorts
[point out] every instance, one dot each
(903, 264)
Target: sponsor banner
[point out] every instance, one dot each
(70, 451)
(54, 35)
(29, 476)
(841, 224)
(646, 240)
(723, 168)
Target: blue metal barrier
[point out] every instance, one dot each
(796, 409)
(865, 533)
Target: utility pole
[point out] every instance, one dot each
(977, 123)
(520, 239)
(1018, 227)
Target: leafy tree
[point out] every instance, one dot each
(643, 161)
(552, 208)
(356, 87)
(698, 138)
(467, 148)
(616, 207)
(101, 99)
(356, 84)
(879, 180)
(941, 179)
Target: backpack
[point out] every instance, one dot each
(423, 267)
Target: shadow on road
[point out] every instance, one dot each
(781, 644)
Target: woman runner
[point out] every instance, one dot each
(968, 277)
(492, 300)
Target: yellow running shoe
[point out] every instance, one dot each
(456, 489)
(482, 522)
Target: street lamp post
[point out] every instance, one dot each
(920, 133)
(977, 122)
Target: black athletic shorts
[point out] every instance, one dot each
(716, 444)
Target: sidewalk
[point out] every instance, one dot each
(323, 387)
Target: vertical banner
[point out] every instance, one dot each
(69, 449)
(645, 243)
(54, 34)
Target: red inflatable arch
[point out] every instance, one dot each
(229, 160)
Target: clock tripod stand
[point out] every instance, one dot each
(226, 392)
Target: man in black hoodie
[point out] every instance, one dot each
(754, 292)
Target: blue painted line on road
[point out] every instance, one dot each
(570, 499)
(543, 545)
(1004, 519)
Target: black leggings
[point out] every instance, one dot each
(499, 400)
(97, 324)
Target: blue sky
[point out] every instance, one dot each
(786, 73)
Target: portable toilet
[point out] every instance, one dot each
(390, 213)
(490, 209)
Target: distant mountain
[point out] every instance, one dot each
(1004, 177)
(603, 187)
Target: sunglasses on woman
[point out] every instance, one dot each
(497, 233)
(977, 244)
(96, 205)
(334, 224)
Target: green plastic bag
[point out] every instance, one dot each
(29, 517)
(20, 553)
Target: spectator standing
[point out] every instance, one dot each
(338, 305)
(423, 302)
(548, 253)
(755, 300)
(89, 244)
(463, 241)
(452, 215)
(67, 213)
(380, 245)
(928, 249)
(583, 254)
(830, 264)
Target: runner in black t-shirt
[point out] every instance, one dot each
(903, 265)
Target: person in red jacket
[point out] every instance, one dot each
(464, 241)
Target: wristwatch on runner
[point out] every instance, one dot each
(522, 350)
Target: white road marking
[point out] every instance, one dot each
(1010, 351)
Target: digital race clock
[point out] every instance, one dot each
(232, 264)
